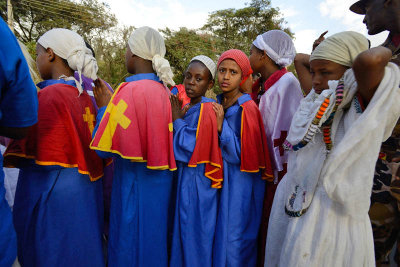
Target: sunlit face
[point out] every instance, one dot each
(255, 59)
(375, 16)
(43, 62)
(323, 71)
(197, 80)
(229, 75)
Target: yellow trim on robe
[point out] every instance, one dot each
(199, 121)
(54, 163)
(133, 159)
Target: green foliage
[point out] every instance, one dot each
(238, 28)
(110, 52)
(225, 29)
(35, 17)
(185, 44)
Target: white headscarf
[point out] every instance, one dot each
(208, 62)
(70, 46)
(341, 48)
(148, 44)
(278, 45)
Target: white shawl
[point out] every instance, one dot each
(347, 172)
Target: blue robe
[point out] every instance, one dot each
(196, 202)
(242, 195)
(140, 214)
(18, 108)
(58, 214)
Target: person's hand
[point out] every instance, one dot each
(219, 112)
(102, 94)
(319, 40)
(177, 111)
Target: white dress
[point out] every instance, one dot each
(335, 229)
(277, 107)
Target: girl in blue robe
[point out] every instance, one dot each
(141, 144)
(58, 210)
(197, 200)
(242, 194)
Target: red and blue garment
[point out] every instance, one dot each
(18, 108)
(278, 104)
(200, 174)
(136, 129)
(87, 85)
(246, 160)
(58, 209)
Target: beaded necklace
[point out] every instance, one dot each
(326, 126)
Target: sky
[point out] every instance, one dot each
(306, 18)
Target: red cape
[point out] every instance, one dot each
(137, 125)
(254, 155)
(182, 94)
(62, 135)
(207, 148)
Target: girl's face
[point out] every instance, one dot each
(43, 59)
(197, 80)
(229, 75)
(323, 71)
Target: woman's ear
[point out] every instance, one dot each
(210, 84)
(50, 54)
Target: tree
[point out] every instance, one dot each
(110, 49)
(237, 28)
(185, 44)
(35, 17)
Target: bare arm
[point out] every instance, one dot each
(369, 69)
(302, 65)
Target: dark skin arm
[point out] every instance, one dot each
(102, 94)
(302, 65)
(219, 112)
(369, 69)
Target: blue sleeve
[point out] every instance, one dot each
(19, 103)
(184, 140)
(230, 144)
(100, 113)
(174, 91)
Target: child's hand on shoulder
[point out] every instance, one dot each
(219, 112)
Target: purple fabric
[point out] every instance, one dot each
(109, 170)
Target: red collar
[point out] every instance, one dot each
(396, 40)
(274, 78)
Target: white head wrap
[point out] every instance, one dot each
(70, 46)
(208, 62)
(341, 48)
(278, 45)
(148, 44)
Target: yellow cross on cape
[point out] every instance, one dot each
(117, 117)
(89, 118)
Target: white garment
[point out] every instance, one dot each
(208, 62)
(336, 230)
(342, 48)
(70, 46)
(147, 43)
(10, 181)
(277, 106)
(278, 45)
